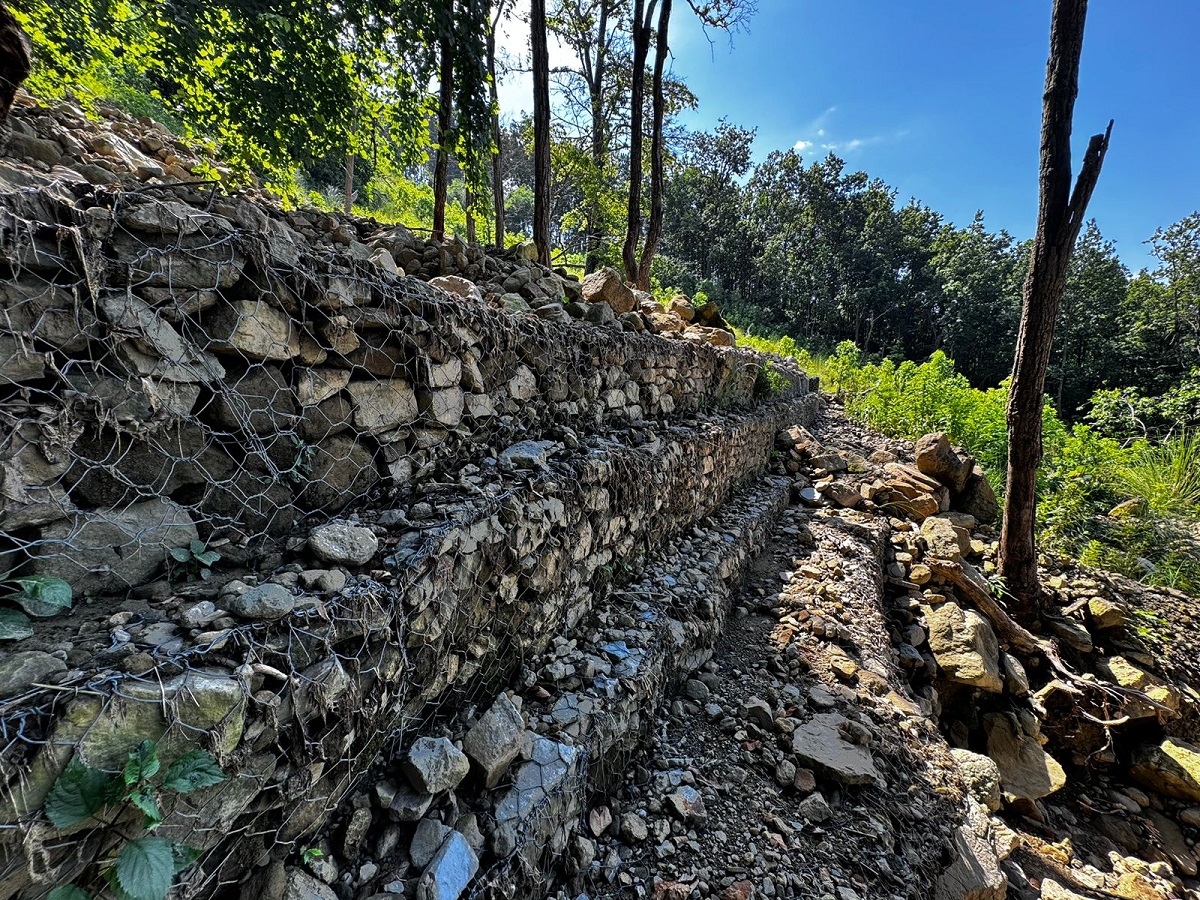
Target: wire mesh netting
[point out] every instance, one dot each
(192, 386)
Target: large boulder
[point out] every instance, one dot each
(105, 551)
(606, 286)
(1171, 767)
(1027, 772)
(964, 646)
(978, 499)
(937, 459)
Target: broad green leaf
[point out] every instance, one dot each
(196, 547)
(44, 595)
(208, 557)
(147, 802)
(145, 868)
(194, 770)
(14, 625)
(181, 554)
(68, 892)
(142, 763)
(79, 793)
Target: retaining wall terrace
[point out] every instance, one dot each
(178, 367)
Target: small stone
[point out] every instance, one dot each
(341, 543)
(266, 602)
(815, 808)
(633, 828)
(696, 691)
(409, 806)
(687, 805)
(981, 776)
(302, 886)
(805, 781)
(434, 765)
(427, 840)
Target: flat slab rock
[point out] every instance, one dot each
(819, 744)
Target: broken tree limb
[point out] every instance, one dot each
(974, 587)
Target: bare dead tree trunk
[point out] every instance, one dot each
(497, 162)
(441, 169)
(642, 16)
(655, 228)
(541, 130)
(15, 60)
(1060, 216)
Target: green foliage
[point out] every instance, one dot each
(1166, 477)
(41, 596)
(195, 560)
(142, 868)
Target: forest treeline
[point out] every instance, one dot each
(391, 108)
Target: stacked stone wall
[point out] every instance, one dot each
(182, 370)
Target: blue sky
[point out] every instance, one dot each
(942, 100)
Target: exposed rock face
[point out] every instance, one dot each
(495, 740)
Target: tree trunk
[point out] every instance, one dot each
(641, 48)
(441, 170)
(348, 185)
(497, 162)
(1060, 216)
(541, 130)
(655, 228)
(470, 204)
(595, 213)
(15, 61)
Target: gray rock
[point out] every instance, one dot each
(819, 744)
(696, 690)
(975, 872)
(526, 455)
(633, 828)
(495, 740)
(264, 603)
(450, 871)
(1027, 772)
(409, 806)
(302, 886)
(815, 808)
(107, 550)
(687, 805)
(434, 765)
(341, 543)
(427, 840)
(19, 670)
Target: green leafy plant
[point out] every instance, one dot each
(195, 560)
(144, 867)
(309, 854)
(40, 596)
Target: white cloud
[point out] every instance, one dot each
(801, 146)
